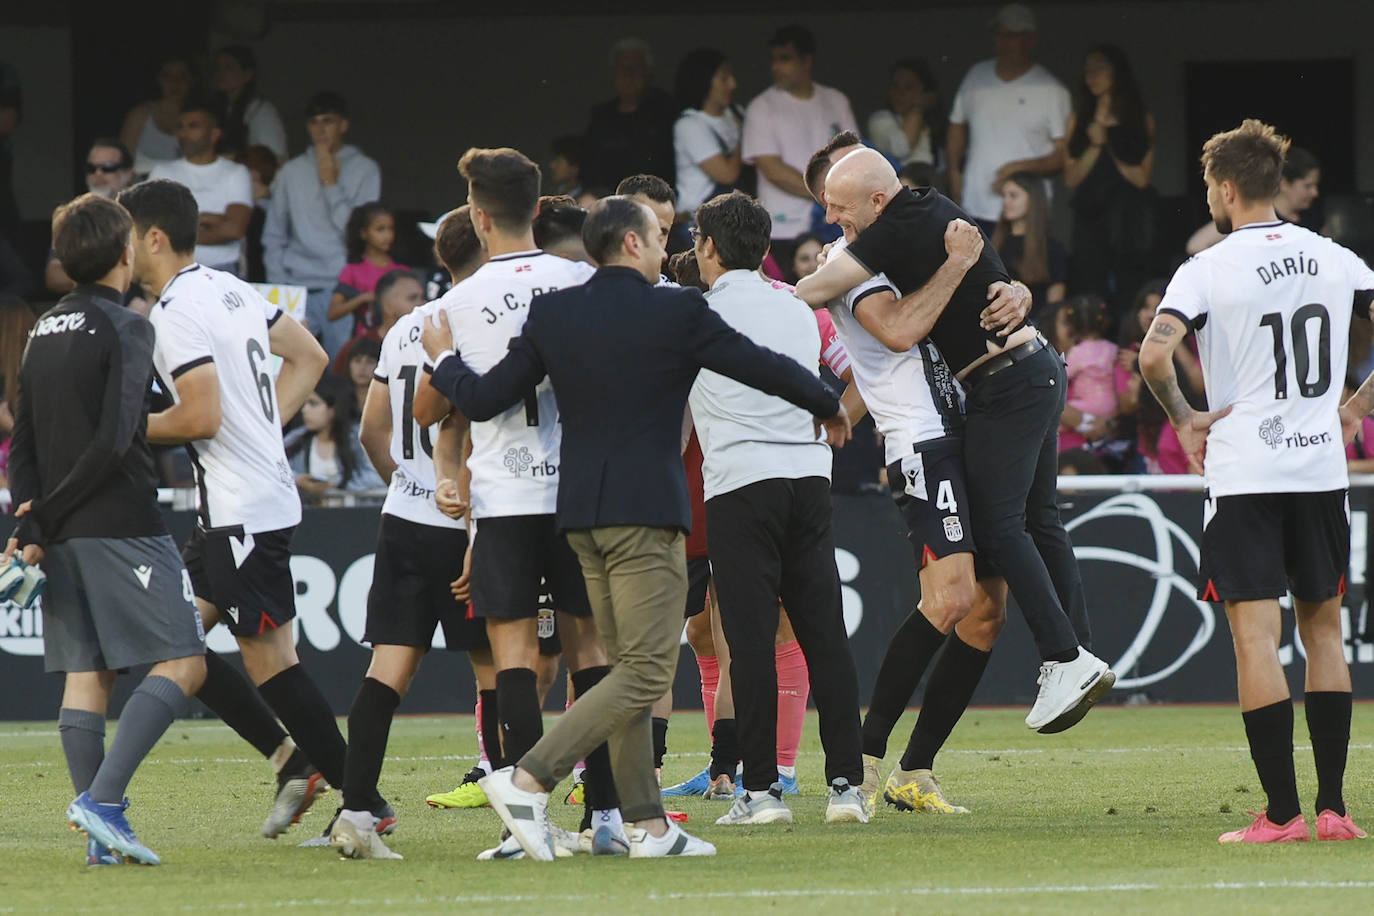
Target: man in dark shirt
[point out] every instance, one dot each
(81, 471)
(1015, 387)
(633, 132)
(622, 495)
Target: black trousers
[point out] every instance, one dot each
(771, 540)
(1011, 457)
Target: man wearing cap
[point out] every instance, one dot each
(1008, 116)
(312, 197)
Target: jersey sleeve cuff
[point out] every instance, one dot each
(184, 368)
(275, 318)
(1190, 322)
(868, 292)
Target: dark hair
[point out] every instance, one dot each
(234, 126)
(740, 228)
(559, 219)
(1131, 333)
(1298, 163)
(1250, 155)
(16, 321)
(694, 76)
(257, 158)
(1081, 461)
(326, 102)
(1034, 266)
(922, 174)
(1127, 104)
(365, 346)
(685, 270)
(819, 163)
(126, 161)
(203, 102)
(651, 186)
(358, 220)
(936, 117)
(504, 182)
(180, 59)
(456, 244)
(1085, 313)
(609, 219)
(569, 147)
(89, 235)
(169, 206)
(389, 280)
(797, 36)
(336, 392)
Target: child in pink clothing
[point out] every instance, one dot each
(1092, 397)
(370, 234)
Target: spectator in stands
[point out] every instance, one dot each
(804, 258)
(707, 134)
(249, 119)
(783, 126)
(16, 321)
(1022, 238)
(262, 166)
(324, 451)
(370, 234)
(1156, 441)
(223, 189)
(397, 294)
(109, 170)
(912, 127)
(1091, 400)
(1298, 188)
(565, 169)
(312, 198)
(1008, 116)
(1110, 160)
(633, 132)
(363, 356)
(150, 128)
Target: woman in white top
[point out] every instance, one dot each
(251, 120)
(706, 137)
(911, 128)
(150, 128)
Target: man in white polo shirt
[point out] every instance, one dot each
(1008, 115)
(223, 189)
(783, 126)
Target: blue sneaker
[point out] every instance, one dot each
(697, 785)
(99, 854)
(608, 841)
(106, 824)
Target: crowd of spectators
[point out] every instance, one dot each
(1009, 135)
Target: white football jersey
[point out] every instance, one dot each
(243, 479)
(515, 455)
(401, 365)
(913, 396)
(1271, 304)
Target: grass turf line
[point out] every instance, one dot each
(1069, 823)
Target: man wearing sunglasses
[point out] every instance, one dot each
(109, 170)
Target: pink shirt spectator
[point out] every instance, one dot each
(1363, 446)
(360, 277)
(833, 353)
(1092, 384)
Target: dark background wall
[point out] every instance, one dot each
(429, 79)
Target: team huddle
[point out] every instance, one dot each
(532, 423)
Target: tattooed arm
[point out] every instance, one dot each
(1353, 411)
(1157, 368)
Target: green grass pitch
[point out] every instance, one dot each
(1119, 814)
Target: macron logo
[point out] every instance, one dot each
(240, 549)
(60, 324)
(144, 574)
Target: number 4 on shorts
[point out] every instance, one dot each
(944, 498)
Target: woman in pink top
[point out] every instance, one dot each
(1091, 400)
(370, 234)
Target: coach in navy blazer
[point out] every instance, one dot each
(622, 355)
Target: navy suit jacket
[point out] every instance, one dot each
(622, 356)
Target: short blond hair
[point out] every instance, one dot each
(1251, 156)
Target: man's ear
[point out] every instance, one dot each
(708, 248)
(343, 126)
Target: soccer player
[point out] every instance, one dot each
(215, 339)
(1015, 395)
(917, 407)
(83, 477)
(514, 471)
(1271, 305)
(420, 552)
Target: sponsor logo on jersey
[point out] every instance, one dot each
(519, 461)
(954, 530)
(1272, 430)
(60, 324)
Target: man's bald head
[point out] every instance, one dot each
(858, 189)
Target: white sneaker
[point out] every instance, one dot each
(847, 804)
(676, 842)
(565, 842)
(355, 836)
(767, 808)
(525, 814)
(509, 848)
(1068, 690)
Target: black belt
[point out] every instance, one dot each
(1004, 359)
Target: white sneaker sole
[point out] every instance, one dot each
(845, 814)
(1078, 711)
(772, 816)
(1072, 700)
(521, 822)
